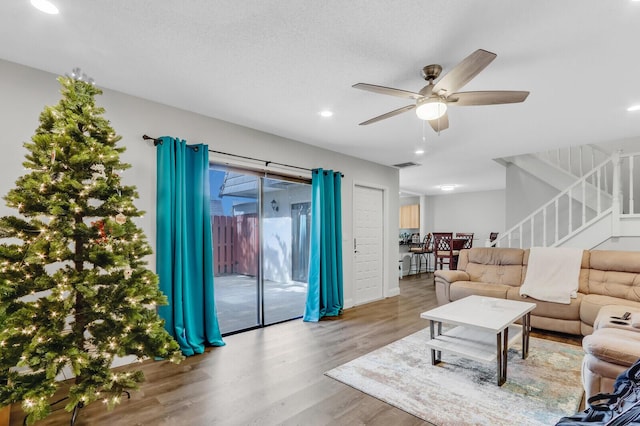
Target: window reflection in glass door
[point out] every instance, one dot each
(300, 234)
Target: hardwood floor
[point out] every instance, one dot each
(275, 375)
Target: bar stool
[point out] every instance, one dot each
(419, 253)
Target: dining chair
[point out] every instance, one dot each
(443, 249)
(421, 252)
(468, 236)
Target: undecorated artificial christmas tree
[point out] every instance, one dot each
(73, 276)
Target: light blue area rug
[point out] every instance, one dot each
(458, 391)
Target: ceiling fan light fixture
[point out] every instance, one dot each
(45, 6)
(431, 109)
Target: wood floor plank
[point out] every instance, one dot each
(275, 375)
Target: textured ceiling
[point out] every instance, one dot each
(273, 65)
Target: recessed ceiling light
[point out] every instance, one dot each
(634, 107)
(419, 151)
(326, 113)
(45, 6)
(448, 187)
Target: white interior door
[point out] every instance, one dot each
(368, 243)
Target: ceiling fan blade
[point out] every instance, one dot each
(440, 124)
(462, 73)
(387, 91)
(491, 97)
(389, 114)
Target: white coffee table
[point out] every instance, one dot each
(485, 329)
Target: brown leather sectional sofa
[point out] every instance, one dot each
(607, 278)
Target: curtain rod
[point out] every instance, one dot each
(157, 141)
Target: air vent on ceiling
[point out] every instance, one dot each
(407, 164)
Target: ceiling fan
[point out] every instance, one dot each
(432, 100)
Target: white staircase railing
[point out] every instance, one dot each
(576, 160)
(583, 203)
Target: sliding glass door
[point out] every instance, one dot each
(261, 247)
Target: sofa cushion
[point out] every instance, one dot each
(550, 309)
(491, 256)
(613, 345)
(623, 285)
(610, 316)
(462, 289)
(555, 324)
(591, 304)
(613, 260)
(490, 265)
(615, 274)
(463, 259)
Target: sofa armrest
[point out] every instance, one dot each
(613, 345)
(452, 276)
(443, 280)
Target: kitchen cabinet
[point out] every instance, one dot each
(410, 216)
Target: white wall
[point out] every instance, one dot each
(627, 146)
(407, 201)
(620, 243)
(524, 193)
(478, 212)
(25, 92)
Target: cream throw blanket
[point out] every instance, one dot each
(552, 274)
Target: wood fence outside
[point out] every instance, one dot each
(235, 244)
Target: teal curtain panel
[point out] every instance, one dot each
(184, 252)
(325, 291)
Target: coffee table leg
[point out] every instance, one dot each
(435, 355)
(526, 328)
(502, 347)
(505, 349)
